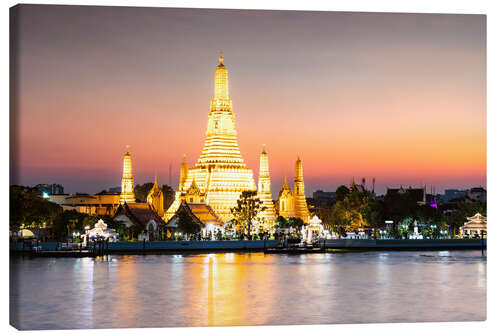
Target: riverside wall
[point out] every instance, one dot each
(260, 245)
(163, 246)
(405, 244)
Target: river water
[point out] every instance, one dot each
(120, 291)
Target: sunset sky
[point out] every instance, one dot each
(398, 97)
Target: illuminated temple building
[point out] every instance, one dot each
(144, 215)
(155, 198)
(268, 215)
(294, 204)
(220, 174)
(127, 193)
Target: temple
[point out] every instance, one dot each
(268, 215)
(294, 204)
(155, 198)
(285, 203)
(220, 175)
(127, 193)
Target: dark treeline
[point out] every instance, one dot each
(356, 208)
(48, 220)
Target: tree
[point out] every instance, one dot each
(465, 208)
(295, 222)
(248, 206)
(290, 223)
(69, 221)
(373, 213)
(398, 206)
(141, 191)
(280, 222)
(168, 195)
(341, 192)
(353, 209)
(28, 208)
(186, 224)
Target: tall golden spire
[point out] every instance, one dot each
(127, 193)
(184, 173)
(299, 172)
(285, 185)
(221, 146)
(221, 86)
(268, 215)
(300, 202)
(264, 168)
(220, 172)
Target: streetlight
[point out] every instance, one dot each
(443, 233)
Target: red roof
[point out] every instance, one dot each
(140, 213)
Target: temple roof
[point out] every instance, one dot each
(477, 218)
(140, 213)
(476, 222)
(201, 213)
(155, 190)
(284, 189)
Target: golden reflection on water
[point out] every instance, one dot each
(125, 278)
(249, 289)
(226, 285)
(210, 294)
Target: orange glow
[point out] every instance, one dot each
(357, 95)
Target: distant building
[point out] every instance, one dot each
(477, 194)
(363, 187)
(417, 195)
(58, 198)
(104, 203)
(450, 194)
(115, 189)
(50, 189)
(322, 198)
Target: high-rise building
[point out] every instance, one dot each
(268, 215)
(127, 193)
(220, 175)
(50, 189)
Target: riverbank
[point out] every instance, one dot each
(155, 247)
(172, 247)
(406, 244)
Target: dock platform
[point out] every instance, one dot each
(294, 250)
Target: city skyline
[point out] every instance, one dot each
(362, 98)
